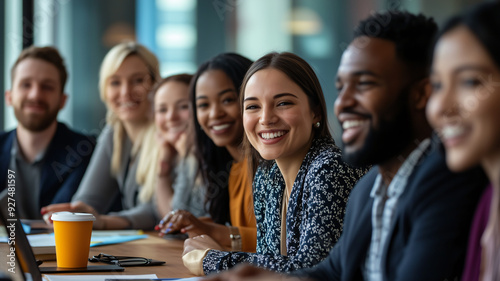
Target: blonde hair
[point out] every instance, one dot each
(148, 167)
(112, 61)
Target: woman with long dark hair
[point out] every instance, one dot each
(464, 110)
(215, 89)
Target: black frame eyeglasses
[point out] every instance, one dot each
(120, 260)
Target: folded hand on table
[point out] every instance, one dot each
(77, 207)
(201, 242)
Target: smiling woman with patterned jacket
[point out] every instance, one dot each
(301, 183)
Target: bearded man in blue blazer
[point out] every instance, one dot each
(41, 161)
(409, 217)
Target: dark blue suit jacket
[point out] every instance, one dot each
(65, 162)
(428, 238)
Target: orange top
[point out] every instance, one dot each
(241, 205)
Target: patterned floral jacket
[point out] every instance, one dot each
(314, 215)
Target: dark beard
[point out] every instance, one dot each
(36, 123)
(385, 142)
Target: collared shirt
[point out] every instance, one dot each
(384, 205)
(28, 178)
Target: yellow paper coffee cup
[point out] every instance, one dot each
(72, 233)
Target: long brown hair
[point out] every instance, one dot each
(300, 72)
(483, 20)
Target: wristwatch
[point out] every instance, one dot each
(234, 234)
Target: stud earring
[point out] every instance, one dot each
(317, 124)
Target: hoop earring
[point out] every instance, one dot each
(317, 124)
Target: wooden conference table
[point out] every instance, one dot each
(153, 247)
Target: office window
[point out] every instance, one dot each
(168, 28)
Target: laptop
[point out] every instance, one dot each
(22, 260)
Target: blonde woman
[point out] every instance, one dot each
(175, 180)
(128, 73)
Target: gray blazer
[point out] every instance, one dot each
(100, 189)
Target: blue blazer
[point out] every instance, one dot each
(66, 160)
(428, 237)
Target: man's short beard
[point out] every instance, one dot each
(386, 141)
(381, 144)
(36, 124)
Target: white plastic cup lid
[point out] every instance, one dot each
(70, 216)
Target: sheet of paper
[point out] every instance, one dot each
(98, 238)
(183, 279)
(97, 233)
(41, 240)
(36, 226)
(104, 240)
(60, 277)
